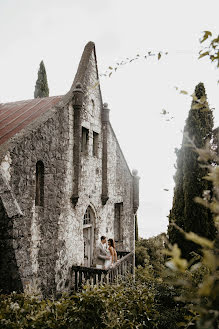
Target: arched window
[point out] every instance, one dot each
(89, 236)
(39, 198)
(87, 217)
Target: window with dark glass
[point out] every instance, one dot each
(118, 210)
(39, 198)
(95, 144)
(85, 138)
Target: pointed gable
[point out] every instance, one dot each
(16, 116)
(88, 57)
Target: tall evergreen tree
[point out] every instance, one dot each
(189, 182)
(41, 87)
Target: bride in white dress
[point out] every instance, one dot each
(111, 251)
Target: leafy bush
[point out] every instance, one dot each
(149, 253)
(128, 305)
(168, 292)
(147, 302)
(141, 256)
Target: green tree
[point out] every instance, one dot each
(41, 87)
(189, 182)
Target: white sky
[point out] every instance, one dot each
(57, 31)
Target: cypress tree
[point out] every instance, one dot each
(189, 182)
(41, 87)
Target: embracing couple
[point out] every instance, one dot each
(106, 255)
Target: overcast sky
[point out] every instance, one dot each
(57, 31)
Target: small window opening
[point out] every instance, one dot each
(95, 144)
(85, 138)
(39, 198)
(118, 210)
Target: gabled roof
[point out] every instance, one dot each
(17, 115)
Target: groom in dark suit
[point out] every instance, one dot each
(102, 255)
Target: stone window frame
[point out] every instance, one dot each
(39, 194)
(95, 144)
(84, 140)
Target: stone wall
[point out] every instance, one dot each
(43, 242)
(9, 273)
(36, 242)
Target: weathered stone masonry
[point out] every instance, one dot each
(81, 189)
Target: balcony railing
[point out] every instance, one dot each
(82, 275)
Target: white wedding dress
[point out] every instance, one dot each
(108, 262)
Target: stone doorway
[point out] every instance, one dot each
(88, 236)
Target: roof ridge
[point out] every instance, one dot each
(23, 119)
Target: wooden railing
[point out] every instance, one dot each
(82, 275)
(121, 254)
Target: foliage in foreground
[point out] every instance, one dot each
(166, 302)
(204, 295)
(169, 292)
(179, 295)
(211, 51)
(149, 254)
(145, 303)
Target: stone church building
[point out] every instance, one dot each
(64, 182)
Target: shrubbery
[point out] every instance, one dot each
(149, 253)
(179, 295)
(129, 305)
(159, 297)
(168, 292)
(140, 304)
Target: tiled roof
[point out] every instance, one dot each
(17, 115)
